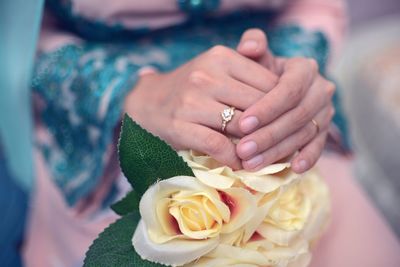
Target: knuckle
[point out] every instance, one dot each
(273, 154)
(215, 144)
(186, 103)
(219, 52)
(330, 88)
(188, 100)
(269, 138)
(332, 112)
(198, 79)
(310, 132)
(313, 65)
(293, 94)
(301, 115)
(305, 136)
(295, 61)
(267, 113)
(172, 132)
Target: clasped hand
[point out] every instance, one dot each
(282, 105)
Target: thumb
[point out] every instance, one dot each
(254, 45)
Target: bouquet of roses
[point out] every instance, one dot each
(186, 209)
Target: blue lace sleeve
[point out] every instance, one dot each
(83, 87)
(292, 41)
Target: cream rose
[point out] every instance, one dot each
(298, 211)
(223, 217)
(212, 173)
(287, 221)
(257, 251)
(182, 219)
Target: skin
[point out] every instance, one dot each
(280, 122)
(275, 101)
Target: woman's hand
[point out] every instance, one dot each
(280, 123)
(183, 107)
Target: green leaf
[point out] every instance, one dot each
(145, 158)
(128, 204)
(113, 247)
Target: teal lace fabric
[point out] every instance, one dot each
(83, 86)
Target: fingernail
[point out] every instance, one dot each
(254, 162)
(247, 149)
(249, 124)
(302, 165)
(249, 45)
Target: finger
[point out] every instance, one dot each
(236, 94)
(207, 141)
(243, 69)
(207, 112)
(254, 44)
(296, 79)
(289, 145)
(310, 154)
(316, 101)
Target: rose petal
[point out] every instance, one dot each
(176, 252)
(277, 235)
(233, 239)
(213, 179)
(240, 255)
(285, 255)
(265, 205)
(204, 160)
(272, 169)
(164, 218)
(313, 186)
(199, 234)
(211, 262)
(263, 244)
(244, 208)
(302, 260)
(164, 189)
(263, 182)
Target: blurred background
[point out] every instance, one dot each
(368, 71)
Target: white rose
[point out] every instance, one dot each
(182, 219)
(299, 210)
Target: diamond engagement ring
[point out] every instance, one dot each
(227, 115)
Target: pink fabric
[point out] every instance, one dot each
(358, 236)
(154, 13)
(58, 236)
(328, 16)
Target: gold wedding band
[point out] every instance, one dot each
(227, 115)
(316, 125)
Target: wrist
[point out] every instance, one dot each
(140, 98)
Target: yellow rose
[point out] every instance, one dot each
(212, 173)
(182, 219)
(298, 210)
